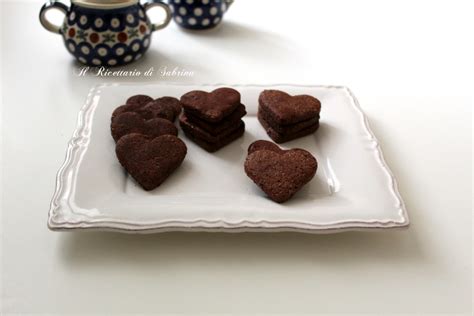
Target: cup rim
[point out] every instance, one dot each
(112, 4)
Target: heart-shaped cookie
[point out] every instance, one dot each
(171, 103)
(157, 108)
(150, 160)
(285, 109)
(217, 128)
(131, 122)
(263, 145)
(285, 137)
(211, 106)
(138, 100)
(279, 173)
(166, 107)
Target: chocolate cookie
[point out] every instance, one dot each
(157, 108)
(212, 147)
(131, 122)
(150, 160)
(138, 100)
(279, 173)
(282, 138)
(215, 129)
(211, 106)
(263, 145)
(124, 108)
(198, 132)
(172, 103)
(285, 109)
(166, 107)
(286, 129)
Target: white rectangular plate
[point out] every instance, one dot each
(352, 190)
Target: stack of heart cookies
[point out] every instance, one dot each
(212, 119)
(145, 136)
(285, 117)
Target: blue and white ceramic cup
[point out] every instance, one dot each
(105, 33)
(198, 14)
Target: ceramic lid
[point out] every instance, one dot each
(104, 4)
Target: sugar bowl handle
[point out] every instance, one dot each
(228, 3)
(158, 3)
(52, 4)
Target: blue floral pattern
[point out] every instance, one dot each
(100, 37)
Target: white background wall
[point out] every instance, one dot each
(409, 63)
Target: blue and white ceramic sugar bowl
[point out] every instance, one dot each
(199, 14)
(104, 32)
